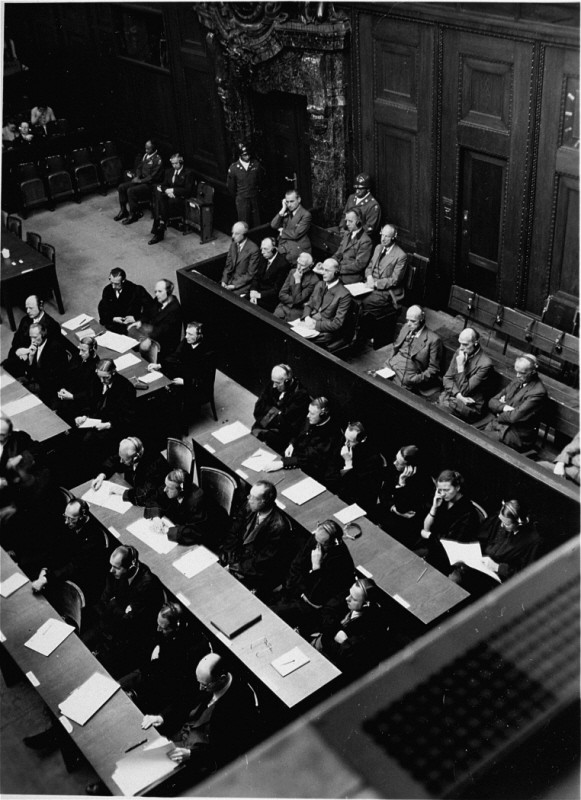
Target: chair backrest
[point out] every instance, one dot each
(81, 156)
(48, 251)
(109, 148)
(219, 485)
(27, 172)
(149, 350)
(54, 163)
(481, 512)
(33, 239)
(14, 225)
(205, 192)
(180, 455)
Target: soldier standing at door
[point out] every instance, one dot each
(245, 181)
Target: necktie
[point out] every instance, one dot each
(175, 174)
(383, 252)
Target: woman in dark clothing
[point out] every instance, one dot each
(73, 396)
(510, 541)
(404, 496)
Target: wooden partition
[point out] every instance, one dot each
(248, 341)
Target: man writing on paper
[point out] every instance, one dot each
(280, 410)
(143, 471)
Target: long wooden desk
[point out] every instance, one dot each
(39, 421)
(422, 590)
(24, 260)
(132, 373)
(105, 737)
(248, 341)
(214, 591)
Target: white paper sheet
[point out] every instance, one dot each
(144, 530)
(49, 636)
(350, 513)
(151, 377)
(77, 322)
(386, 372)
(18, 406)
(88, 698)
(470, 554)
(6, 380)
(357, 289)
(107, 499)
(90, 422)
(290, 661)
(12, 583)
(195, 561)
(144, 766)
(229, 433)
(302, 330)
(116, 341)
(259, 460)
(303, 491)
(126, 361)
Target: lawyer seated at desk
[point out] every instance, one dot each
(195, 516)
(73, 396)
(47, 364)
(143, 470)
(316, 448)
(362, 471)
(280, 410)
(17, 359)
(122, 303)
(260, 545)
(405, 496)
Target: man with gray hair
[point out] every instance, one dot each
(417, 353)
(328, 306)
(297, 289)
(467, 378)
(241, 262)
(143, 470)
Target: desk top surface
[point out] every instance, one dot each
(104, 738)
(39, 421)
(422, 590)
(212, 592)
(23, 258)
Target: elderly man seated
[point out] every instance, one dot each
(354, 252)
(143, 470)
(17, 359)
(296, 290)
(280, 410)
(467, 378)
(241, 262)
(327, 309)
(567, 463)
(417, 353)
(269, 277)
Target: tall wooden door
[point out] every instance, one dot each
(281, 122)
(486, 123)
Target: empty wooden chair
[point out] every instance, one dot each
(84, 171)
(199, 212)
(110, 164)
(31, 187)
(14, 225)
(180, 455)
(219, 485)
(33, 239)
(58, 178)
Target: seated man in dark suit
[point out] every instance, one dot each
(122, 303)
(417, 353)
(178, 184)
(280, 410)
(73, 395)
(147, 172)
(327, 309)
(78, 554)
(143, 471)
(296, 290)
(517, 410)
(241, 262)
(269, 277)
(362, 469)
(161, 320)
(319, 577)
(111, 401)
(48, 361)
(124, 624)
(195, 516)
(293, 222)
(260, 546)
(354, 251)
(467, 379)
(17, 359)
(385, 274)
(315, 449)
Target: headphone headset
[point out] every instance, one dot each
(199, 328)
(514, 508)
(174, 611)
(288, 371)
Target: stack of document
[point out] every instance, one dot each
(144, 766)
(116, 341)
(49, 636)
(299, 327)
(194, 561)
(350, 513)
(229, 433)
(386, 372)
(88, 698)
(304, 490)
(77, 322)
(470, 554)
(151, 377)
(106, 498)
(290, 661)
(357, 289)
(260, 460)
(5, 380)
(84, 334)
(145, 531)
(90, 422)
(126, 361)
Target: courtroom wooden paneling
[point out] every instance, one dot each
(249, 341)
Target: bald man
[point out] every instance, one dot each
(241, 262)
(161, 320)
(280, 410)
(143, 471)
(17, 358)
(220, 728)
(417, 353)
(467, 379)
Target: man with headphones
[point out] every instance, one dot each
(417, 353)
(385, 276)
(124, 621)
(162, 319)
(354, 252)
(280, 410)
(269, 276)
(517, 410)
(362, 470)
(143, 471)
